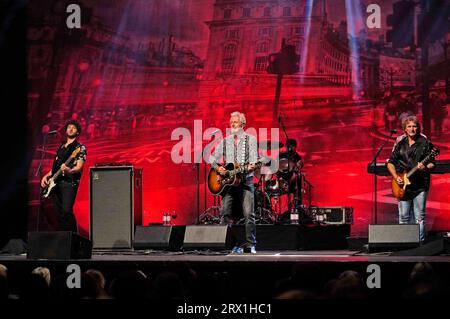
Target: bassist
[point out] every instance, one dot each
(407, 154)
(239, 148)
(67, 183)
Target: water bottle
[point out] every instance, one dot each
(294, 216)
(169, 218)
(165, 218)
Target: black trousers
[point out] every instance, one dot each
(63, 198)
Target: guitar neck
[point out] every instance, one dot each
(412, 172)
(243, 168)
(424, 162)
(55, 176)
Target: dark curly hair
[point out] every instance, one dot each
(75, 123)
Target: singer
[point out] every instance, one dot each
(242, 149)
(410, 149)
(67, 174)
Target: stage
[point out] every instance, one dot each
(262, 275)
(249, 275)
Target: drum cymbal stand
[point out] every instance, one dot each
(212, 214)
(270, 215)
(263, 215)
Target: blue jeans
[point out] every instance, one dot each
(413, 211)
(243, 195)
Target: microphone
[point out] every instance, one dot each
(52, 132)
(393, 131)
(214, 132)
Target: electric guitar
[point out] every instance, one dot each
(399, 190)
(46, 191)
(218, 183)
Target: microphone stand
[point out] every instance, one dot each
(289, 154)
(206, 216)
(282, 127)
(197, 180)
(38, 173)
(375, 177)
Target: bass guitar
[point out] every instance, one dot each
(218, 183)
(46, 191)
(399, 190)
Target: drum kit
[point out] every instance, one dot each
(277, 192)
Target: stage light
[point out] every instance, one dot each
(354, 14)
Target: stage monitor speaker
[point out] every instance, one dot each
(393, 237)
(112, 205)
(439, 246)
(159, 237)
(206, 237)
(58, 245)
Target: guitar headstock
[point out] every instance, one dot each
(75, 152)
(434, 152)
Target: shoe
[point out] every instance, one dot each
(237, 250)
(250, 249)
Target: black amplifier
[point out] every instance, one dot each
(332, 214)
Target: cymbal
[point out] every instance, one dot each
(270, 144)
(265, 160)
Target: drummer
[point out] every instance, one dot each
(296, 159)
(290, 164)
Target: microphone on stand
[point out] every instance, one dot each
(393, 131)
(214, 132)
(52, 132)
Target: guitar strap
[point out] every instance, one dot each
(247, 155)
(70, 148)
(65, 155)
(224, 148)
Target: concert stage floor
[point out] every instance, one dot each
(282, 251)
(207, 256)
(250, 275)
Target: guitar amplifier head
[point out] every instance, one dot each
(332, 214)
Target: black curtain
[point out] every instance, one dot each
(13, 123)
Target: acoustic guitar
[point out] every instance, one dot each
(399, 190)
(218, 183)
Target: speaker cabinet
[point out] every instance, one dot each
(206, 237)
(159, 237)
(393, 237)
(435, 247)
(58, 245)
(115, 194)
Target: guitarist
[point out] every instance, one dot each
(238, 147)
(407, 154)
(65, 191)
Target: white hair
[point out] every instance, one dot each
(241, 117)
